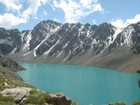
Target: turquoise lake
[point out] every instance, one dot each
(84, 85)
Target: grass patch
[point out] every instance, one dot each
(136, 103)
(12, 82)
(74, 103)
(37, 97)
(119, 103)
(7, 103)
(6, 100)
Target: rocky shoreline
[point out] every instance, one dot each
(13, 90)
(21, 94)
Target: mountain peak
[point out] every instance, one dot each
(53, 42)
(49, 22)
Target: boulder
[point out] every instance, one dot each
(60, 99)
(138, 71)
(19, 94)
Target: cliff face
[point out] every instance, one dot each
(9, 64)
(8, 67)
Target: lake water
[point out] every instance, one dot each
(84, 85)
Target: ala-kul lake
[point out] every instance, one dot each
(84, 85)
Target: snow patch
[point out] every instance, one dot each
(47, 36)
(59, 54)
(47, 52)
(112, 38)
(67, 56)
(27, 53)
(75, 48)
(35, 53)
(22, 36)
(117, 31)
(94, 41)
(28, 38)
(66, 45)
(128, 35)
(40, 44)
(13, 51)
(80, 31)
(88, 32)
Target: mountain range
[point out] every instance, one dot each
(74, 43)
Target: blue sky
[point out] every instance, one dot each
(25, 14)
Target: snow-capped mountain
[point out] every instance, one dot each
(68, 43)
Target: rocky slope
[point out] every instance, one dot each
(13, 91)
(8, 67)
(73, 43)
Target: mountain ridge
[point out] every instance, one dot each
(73, 43)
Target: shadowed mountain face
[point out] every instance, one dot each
(7, 66)
(51, 42)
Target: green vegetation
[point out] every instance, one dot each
(37, 97)
(119, 103)
(11, 82)
(6, 100)
(74, 103)
(7, 103)
(136, 103)
(9, 79)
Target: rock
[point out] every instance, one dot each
(60, 99)
(19, 94)
(5, 84)
(139, 82)
(46, 104)
(138, 71)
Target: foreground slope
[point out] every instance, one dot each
(13, 91)
(8, 67)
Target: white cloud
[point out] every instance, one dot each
(74, 11)
(13, 5)
(53, 8)
(33, 7)
(45, 12)
(122, 24)
(119, 23)
(7, 20)
(93, 21)
(36, 17)
(134, 20)
(44, 1)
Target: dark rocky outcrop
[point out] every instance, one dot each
(139, 82)
(8, 67)
(10, 40)
(60, 99)
(138, 71)
(8, 63)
